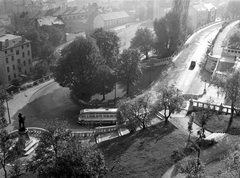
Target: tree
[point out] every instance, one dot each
(190, 123)
(141, 12)
(234, 41)
(135, 113)
(59, 154)
(39, 70)
(143, 41)
(108, 44)
(129, 70)
(167, 31)
(170, 99)
(77, 68)
(233, 8)
(5, 145)
(229, 85)
(191, 168)
(105, 80)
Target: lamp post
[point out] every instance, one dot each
(9, 118)
(205, 87)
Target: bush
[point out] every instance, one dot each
(177, 155)
(16, 82)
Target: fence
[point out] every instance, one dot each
(218, 108)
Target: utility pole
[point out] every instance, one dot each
(9, 118)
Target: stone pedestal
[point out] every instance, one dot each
(23, 138)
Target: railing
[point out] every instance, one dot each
(219, 108)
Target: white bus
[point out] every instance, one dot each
(98, 116)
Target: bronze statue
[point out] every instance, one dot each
(21, 121)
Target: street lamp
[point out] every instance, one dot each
(205, 87)
(9, 118)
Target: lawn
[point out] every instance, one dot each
(219, 122)
(144, 154)
(225, 66)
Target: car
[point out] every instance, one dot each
(13, 89)
(193, 64)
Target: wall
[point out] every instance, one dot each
(98, 22)
(232, 52)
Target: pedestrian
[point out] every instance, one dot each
(21, 121)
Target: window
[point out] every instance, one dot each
(17, 52)
(22, 46)
(7, 60)
(25, 72)
(9, 78)
(27, 45)
(23, 55)
(11, 50)
(29, 61)
(14, 75)
(18, 61)
(24, 63)
(13, 67)
(28, 53)
(8, 69)
(12, 58)
(6, 52)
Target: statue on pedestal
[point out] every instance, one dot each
(21, 121)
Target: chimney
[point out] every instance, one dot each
(6, 43)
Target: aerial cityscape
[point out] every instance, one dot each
(119, 88)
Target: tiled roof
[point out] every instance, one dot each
(114, 15)
(50, 21)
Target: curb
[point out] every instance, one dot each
(41, 88)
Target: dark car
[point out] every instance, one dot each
(192, 65)
(13, 89)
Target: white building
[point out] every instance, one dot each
(15, 57)
(111, 19)
(161, 7)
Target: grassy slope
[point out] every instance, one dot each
(218, 123)
(143, 154)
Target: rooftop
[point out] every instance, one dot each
(200, 7)
(114, 15)
(50, 21)
(209, 6)
(8, 37)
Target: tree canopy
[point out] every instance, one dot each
(135, 113)
(143, 40)
(78, 66)
(129, 70)
(167, 31)
(108, 44)
(229, 85)
(61, 155)
(169, 99)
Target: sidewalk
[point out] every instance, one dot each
(21, 99)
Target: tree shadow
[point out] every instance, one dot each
(47, 107)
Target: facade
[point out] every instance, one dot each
(161, 7)
(15, 57)
(212, 11)
(111, 19)
(198, 15)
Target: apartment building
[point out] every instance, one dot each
(15, 57)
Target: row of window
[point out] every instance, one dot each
(23, 55)
(112, 22)
(76, 17)
(17, 51)
(97, 115)
(24, 64)
(15, 76)
(232, 51)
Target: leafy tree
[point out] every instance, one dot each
(141, 12)
(5, 145)
(229, 85)
(190, 123)
(135, 113)
(129, 70)
(167, 30)
(169, 99)
(233, 7)
(191, 168)
(234, 41)
(77, 68)
(59, 154)
(46, 53)
(143, 40)
(105, 80)
(108, 44)
(55, 35)
(39, 70)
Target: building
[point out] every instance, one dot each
(198, 16)
(161, 7)
(15, 57)
(111, 19)
(49, 21)
(212, 11)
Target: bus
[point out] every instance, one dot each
(98, 116)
